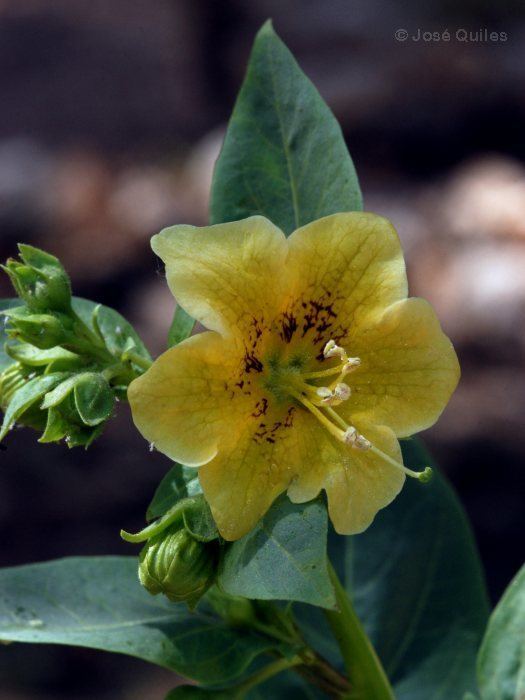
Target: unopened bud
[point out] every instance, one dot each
(44, 331)
(177, 565)
(40, 280)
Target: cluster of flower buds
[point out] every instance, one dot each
(64, 377)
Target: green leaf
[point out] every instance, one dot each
(97, 602)
(94, 398)
(180, 482)
(283, 557)
(416, 583)
(115, 330)
(5, 360)
(181, 327)
(284, 155)
(501, 661)
(26, 396)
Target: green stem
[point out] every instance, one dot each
(136, 359)
(266, 673)
(365, 672)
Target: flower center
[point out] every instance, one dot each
(320, 401)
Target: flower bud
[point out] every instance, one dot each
(44, 331)
(41, 330)
(40, 280)
(177, 565)
(11, 380)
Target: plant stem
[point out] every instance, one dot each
(313, 668)
(365, 672)
(137, 359)
(267, 672)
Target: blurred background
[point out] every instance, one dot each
(112, 114)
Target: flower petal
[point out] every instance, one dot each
(241, 484)
(226, 275)
(408, 369)
(357, 483)
(187, 404)
(346, 267)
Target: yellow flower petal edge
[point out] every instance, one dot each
(180, 404)
(224, 275)
(315, 364)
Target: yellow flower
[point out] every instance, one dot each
(314, 365)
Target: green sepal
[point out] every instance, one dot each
(83, 436)
(36, 357)
(59, 393)
(199, 522)
(181, 327)
(180, 482)
(94, 398)
(25, 397)
(56, 427)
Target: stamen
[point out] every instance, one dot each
(362, 443)
(331, 349)
(338, 369)
(351, 364)
(347, 433)
(349, 436)
(342, 391)
(353, 438)
(332, 397)
(334, 430)
(324, 392)
(423, 476)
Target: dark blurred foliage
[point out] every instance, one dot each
(112, 115)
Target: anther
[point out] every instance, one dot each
(342, 391)
(349, 436)
(355, 439)
(323, 392)
(331, 349)
(351, 364)
(362, 443)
